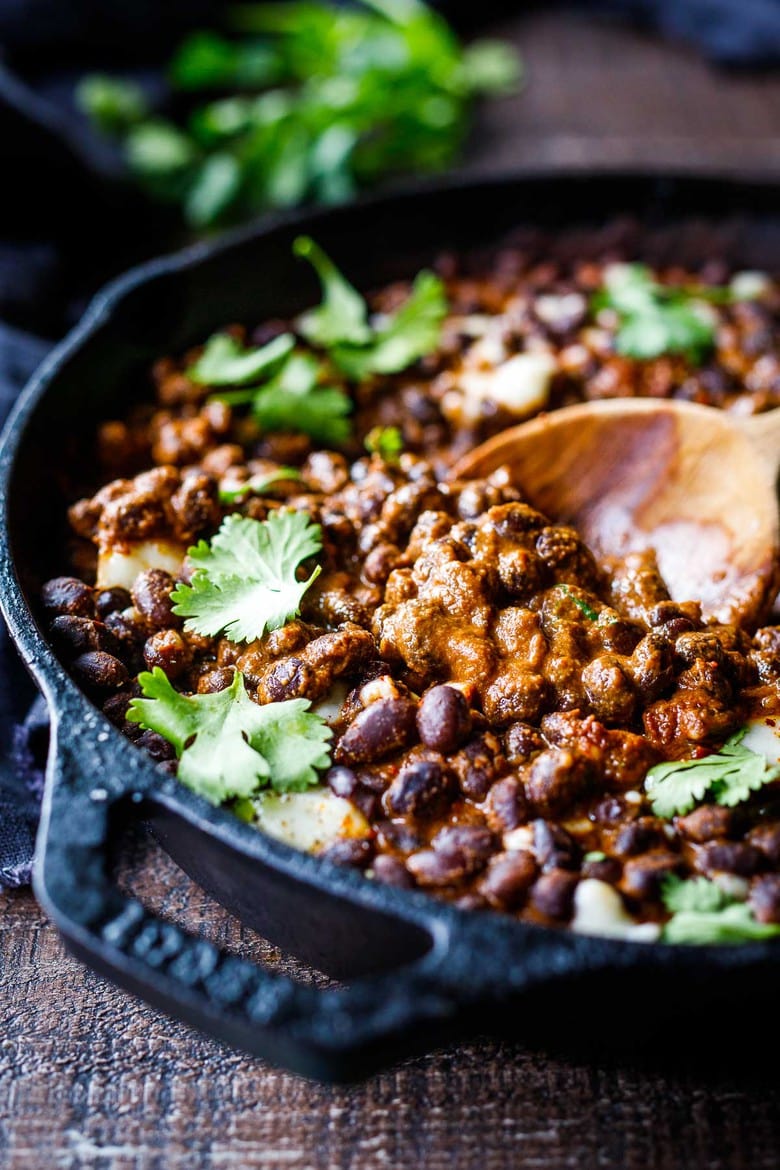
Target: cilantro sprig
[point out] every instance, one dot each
(703, 913)
(653, 318)
(245, 579)
(226, 362)
(258, 485)
(320, 102)
(227, 745)
(340, 323)
(728, 776)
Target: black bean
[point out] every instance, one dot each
(443, 719)
(553, 894)
(643, 876)
(112, 600)
(475, 843)
(392, 872)
(436, 869)
(382, 728)
(355, 852)
(730, 857)
(420, 789)
(152, 598)
(76, 635)
(289, 678)
(68, 595)
(608, 870)
(157, 747)
(341, 781)
(639, 837)
(216, 680)
(478, 765)
(521, 741)
(168, 650)
(508, 878)
(505, 807)
(100, 670)
(400, 837)
(555, 779)
(554, 847)
(707, 822)
(767, 839)
(765, 898)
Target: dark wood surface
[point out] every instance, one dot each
(91, 1078)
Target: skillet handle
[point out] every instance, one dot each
(334, 1035)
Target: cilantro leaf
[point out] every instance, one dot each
(342, 316)
(225, 362)
(291, 399)
(410, 333)
(257, 485)
(702, 913)
(113, 104)
(208, 61)
(229, 746)
(340, 323)
(654, 318)
(730, 776)
(245, 580)
(385, 441)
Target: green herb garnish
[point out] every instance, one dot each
(258, 485)
(590, 613)
(322, 101)
(385, 441)
(595, 855)
(728, 776)
(653, 318)
(702, 913)
(245, 579)
(226, 362)
(294, 400)
(340, 324)
(114, 105)
(228, 745)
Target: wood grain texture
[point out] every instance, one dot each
(92, 1080)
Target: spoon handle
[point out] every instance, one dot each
(763, 433)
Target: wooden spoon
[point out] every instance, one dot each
(696, 485)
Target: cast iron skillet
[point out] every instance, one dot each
(418, 971)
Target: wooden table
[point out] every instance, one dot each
(91, 1078)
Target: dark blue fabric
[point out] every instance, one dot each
(59, 247)
(22, 721)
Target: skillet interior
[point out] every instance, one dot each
(332, 919)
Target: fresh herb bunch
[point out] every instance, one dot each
(703, 913)
(728, 776)
(323, 101)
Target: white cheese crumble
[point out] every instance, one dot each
(519, 839)
(763, 737)
(599, 909)
(308, 820)
(521, 385)
(121, 566)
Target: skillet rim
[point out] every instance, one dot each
(66, 700)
